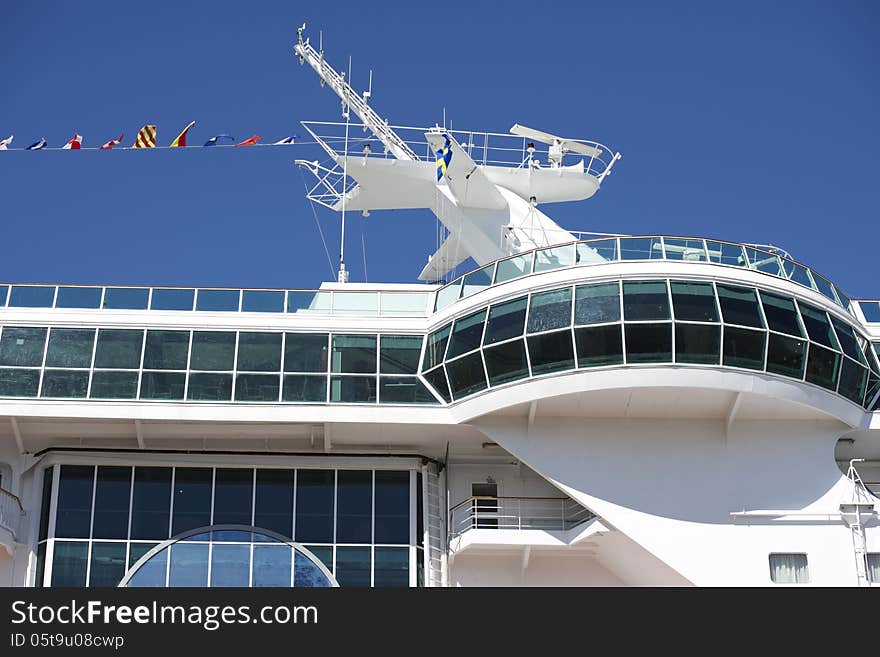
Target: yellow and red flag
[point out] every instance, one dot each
(146, 137)
(180, 142)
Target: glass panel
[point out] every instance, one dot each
(392, 567)
(392, 507)
(404, 304)
(304, 388)
(65, 384)
(45, 505)
(192, 499)
(355, 303)
(233, 494)
(448, 294)
(272, 564)
(645, 300)
(724, 253)
(399, 354)
(69, 563)
(273, 506)
(162, 385)
(436, 378)
(126, 298)
(19, 383)
(70, 347)
(32, 296)
(822, 367)
(4, 295)
(789, 568)
(230, 565)
(354, 354)
(308, 301)
(172, 299)
(314, 506)
(354, 503)
(514, 267)
(306, 573)
(697, 343)
(119, 348)
(151, 503)
(108, 564)
(114, 385)
(797, 273)
(78, 297)
(597, 304)
(817, 325)
(554, 258)
(599, 345)
(152, 573)
(764, 261)
(648, 343)
(209, 387)
(739, 305)
(550, 310)
(189, 565)
(305, 352)
(262, 301)
(40, 578)
(825, 287)
(845, 301)
(112, 495)
(505, 320)
(681, 249)
(217, 300)
(257, 387)
(466, 375)
(846, 337)
(694, 302)
(212, 350)
(477, 280)
(74, 512)
(436, 347)
(403, 390)
(353, 566)
(551, 352)
(786, 355)
(597, 251)
(166, 350)
(353, 389)
(259, 352)
(466, 334)
(744, 348)
(22, 346)
(137, 550)
(506, 362)
(852, 381)
(781, 314)
(641, 248)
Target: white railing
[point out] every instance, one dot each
(11, 511)
(516, 513)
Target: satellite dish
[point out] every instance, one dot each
(566, 145)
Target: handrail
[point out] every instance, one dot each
(503, 497)
(5, 493)
(515, 513)
(11, 512)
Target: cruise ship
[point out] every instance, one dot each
(578, 409)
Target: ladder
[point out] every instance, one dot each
(852, 511)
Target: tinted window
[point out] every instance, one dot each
(70, 347)
(354, 353)
(648, 343)
(74, 513)
(551, 352)
(739, 305)
(786, 355)
(596, 304)
(151, 503)
(65, 383)
(466, 375)
(273, 508)
(259, 352)
(697, 343)
(162, 385)
(506, 320)
(817, 325)
(192, 499)
(694, 301)
(209, 387)
(506, 362)
(212, 350)
(744, 348)
(466, 334)
(114, 385)
(354, 502)
(550, 310)
(645, 300)
(314, 506)
(353, 389)
(257, 387)
(304, 388)
(112, 496)
(436, 347)
(233, 496)
(599, 345)
(166, 350)
(305, 352)
(781, 314)
(399, 354)
(20, 346)
(119, 348)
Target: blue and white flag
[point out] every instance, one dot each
(213, 140)
(287, 140)
(37, 145)
(5, 142)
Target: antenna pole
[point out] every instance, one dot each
(346, 112)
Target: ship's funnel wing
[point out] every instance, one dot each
(547, 138)
(467, 182)
(448, 256)
(388, 184)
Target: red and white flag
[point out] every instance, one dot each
(113, 142)
(74, 144)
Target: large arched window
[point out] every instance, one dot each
(229, 555)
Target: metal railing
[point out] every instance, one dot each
(546, 513)
(11, 511)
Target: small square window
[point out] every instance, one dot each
(874, 567)
(789, 568)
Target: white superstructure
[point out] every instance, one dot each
(617, 411)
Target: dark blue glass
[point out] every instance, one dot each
(314, 506)
(262, 301)
(151, 504)
(74, 512)
(108, 564)
(217, 300)
(112, 494)
(273, 508)
(307, 574)
(354, 502)
(78, 297)
(353, 566)
(189, 565)
(192, 499)
(272, 565)
(233, 496)
(126, 298)
(32, 296)
(69, 563)
(230, 565)
(391, 567)
(392, 507)
(172, 299)
(152, 573)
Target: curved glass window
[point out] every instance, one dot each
(551, 352)
(684, 249)
(506, 362)
(466, 334)
(693, 301)
(852, 380)
(739, 305)
(645, 300)
(822, 366)
(597, 304)
(649, 343)
(599, 345)
(697, 343)
(255, 557)
(550, 310)
(554, 258)
(817, 325)
(466, 375)
(744, 348)
(513, 268)
(436, 347)
(847, 340)
(436, 378)
(785, 355)
(641, 248)
(724, 253)
(781, 314)
(505, 321)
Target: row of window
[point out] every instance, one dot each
(97, 521)
(210, 365)
(649, 321)
(792, 568)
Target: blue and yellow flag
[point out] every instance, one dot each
(444, 157)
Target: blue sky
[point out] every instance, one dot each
(750, 121)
